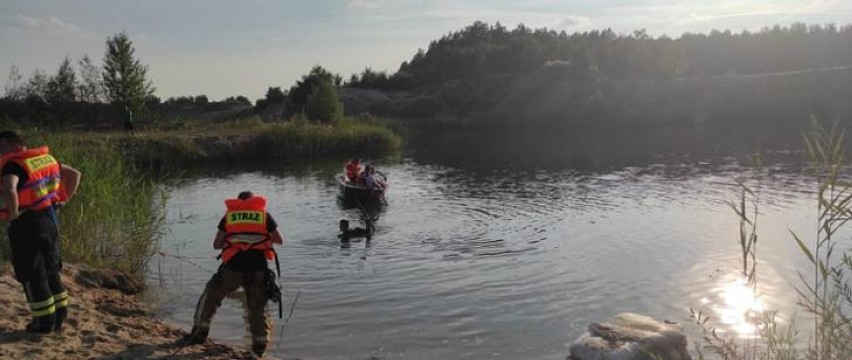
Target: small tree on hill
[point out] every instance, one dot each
(299, 93)
(323, 104)
(124, 75)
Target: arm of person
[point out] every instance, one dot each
(219, 241)
(10, 195)
(277, 238)
(70, 180)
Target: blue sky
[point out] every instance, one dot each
(223, 48)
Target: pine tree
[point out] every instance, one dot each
(62, 88)
(124, 76)
(36, 88)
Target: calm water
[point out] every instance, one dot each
(478, 257)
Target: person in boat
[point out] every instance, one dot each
(372, 180)
(246, 237)
(35, 186)
(347, 233)
(353, 170)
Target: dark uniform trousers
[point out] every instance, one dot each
(226, 281)
(34, 241)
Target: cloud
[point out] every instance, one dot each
(572, 21)
(46, 24)
(363, 4)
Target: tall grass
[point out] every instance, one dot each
(824, 292)
(246, 140)
(116, 217)
(344, 137)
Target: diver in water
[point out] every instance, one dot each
(346, 234)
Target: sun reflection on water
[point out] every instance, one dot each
(739, 307)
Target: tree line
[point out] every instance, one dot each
(482, 49)
(93, 93)
(479, 50)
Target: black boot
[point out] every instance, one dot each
(41, 325)
(257, 350)
(198, 335)
(59, 317)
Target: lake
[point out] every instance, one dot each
(500, 247)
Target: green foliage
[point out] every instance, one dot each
(36, 89)
(323, 104)
(91, 87)
(15, 89)
(828, 296)
(297, 98)
(124, 76)
(369, 79)
(274, 95)
(481, 49)
(344, 138)
(116, 218)
(62, 87)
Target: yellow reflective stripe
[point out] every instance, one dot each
(42, 304)
(44, 312)
(47, 188)
(61, 296)
(61, 303)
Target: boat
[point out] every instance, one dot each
(351, 189)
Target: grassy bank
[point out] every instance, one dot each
(192, 143)
(116, 217)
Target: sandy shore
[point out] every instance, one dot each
(106, 321)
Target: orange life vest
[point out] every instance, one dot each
(43, 187)
(352, 170)
(245, 225)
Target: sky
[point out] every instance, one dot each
(228, 48)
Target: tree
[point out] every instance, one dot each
(62, 88)
(15, 90)
(91, 87)
(274, 95)
(124, 75)
(299, 93)
(323, 104)
(36, 88)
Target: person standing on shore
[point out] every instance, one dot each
(246, 236)
(34, 186)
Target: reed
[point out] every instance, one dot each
(824, 291)
(116, 218)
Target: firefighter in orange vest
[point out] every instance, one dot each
(34, 186)
(246, 235)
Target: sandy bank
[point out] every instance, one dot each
(107, 321)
